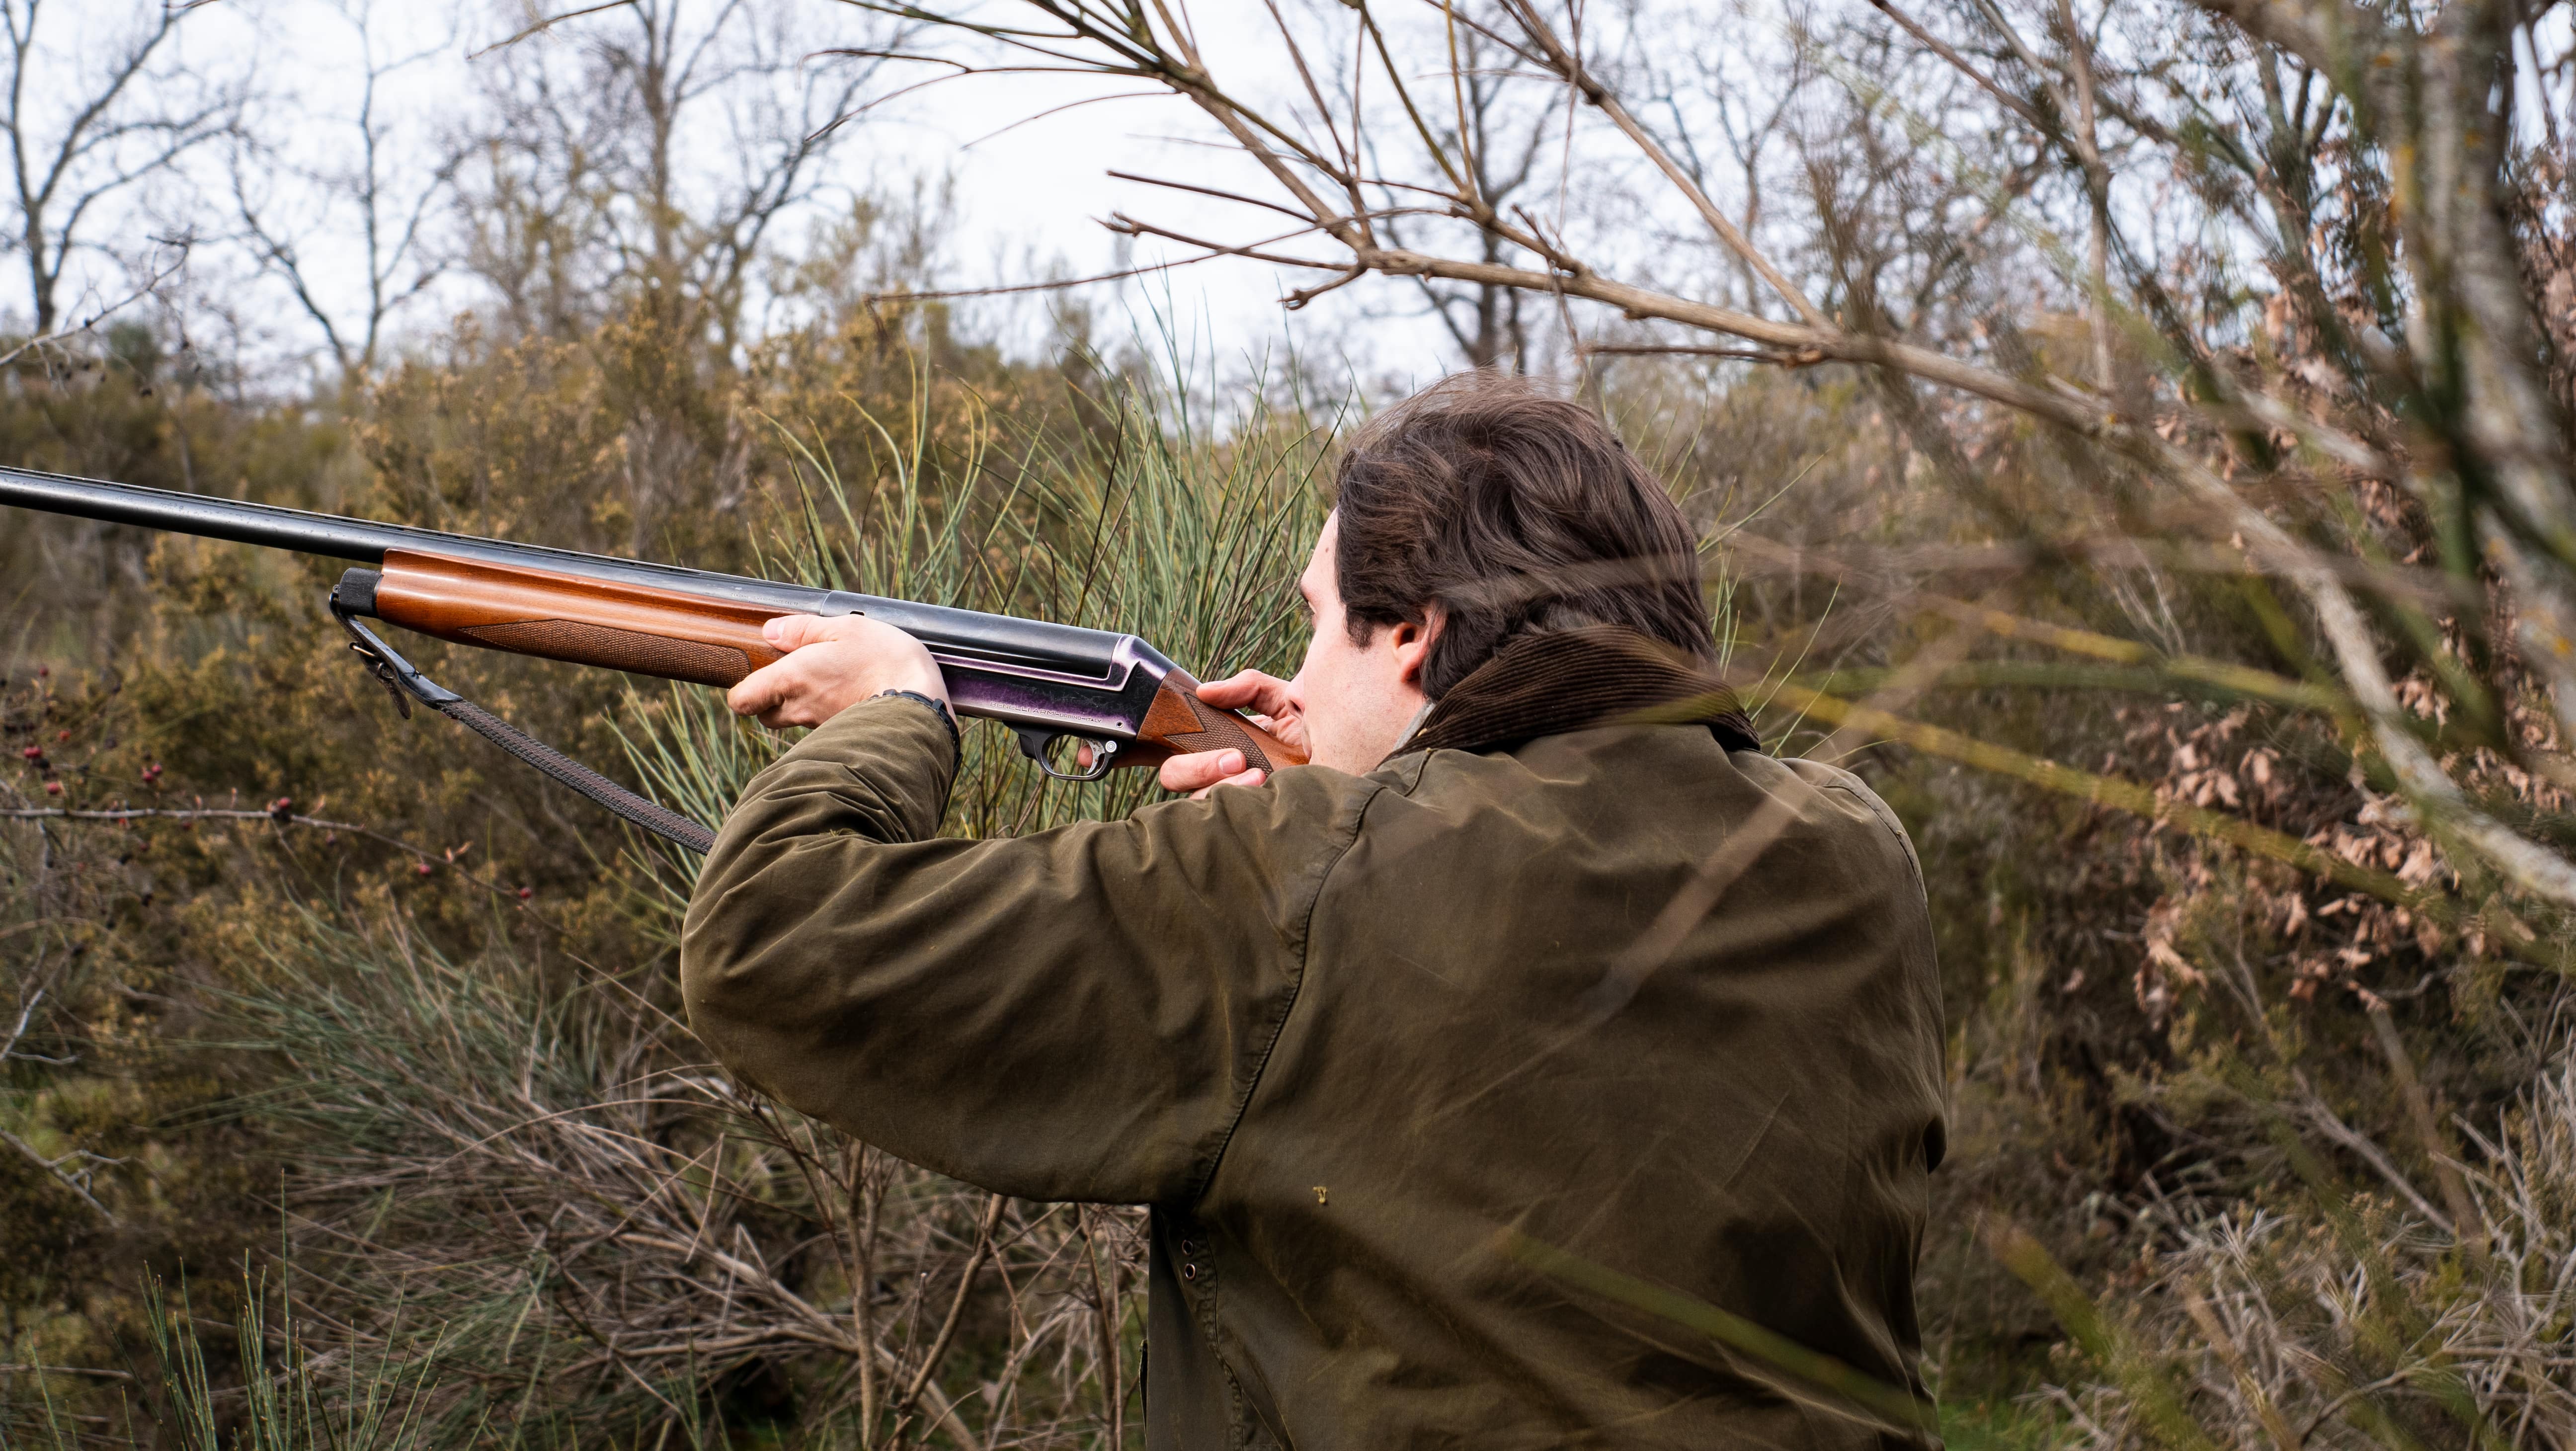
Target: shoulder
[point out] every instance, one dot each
(1839, 785)
(1286, 834)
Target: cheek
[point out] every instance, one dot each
(1327, 659)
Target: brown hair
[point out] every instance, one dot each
(1514, 511)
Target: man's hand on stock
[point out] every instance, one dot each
(830, 665)
(1278, 706)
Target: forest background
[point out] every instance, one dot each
(2135, 437)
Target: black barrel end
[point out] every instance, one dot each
(355, 594)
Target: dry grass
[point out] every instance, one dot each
(2361, 1322)
(592, 1227)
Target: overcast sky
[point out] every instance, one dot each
(1028, 195)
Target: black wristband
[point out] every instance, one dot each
(939, 708)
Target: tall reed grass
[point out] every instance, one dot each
(1149, 523)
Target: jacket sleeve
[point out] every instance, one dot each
(1078, 1014)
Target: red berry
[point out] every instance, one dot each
(34, 753)
(421, 867)
(526, 892)
(62, 735)
(53, 788)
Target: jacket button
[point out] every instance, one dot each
(1189, 1272)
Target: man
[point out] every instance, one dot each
(1542, 966)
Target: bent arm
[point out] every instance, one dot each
(1072, 1015)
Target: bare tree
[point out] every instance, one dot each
(91, 127)
(659, 146)
(390, 205)
(1498, 132)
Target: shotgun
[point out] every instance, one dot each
(1056, 687)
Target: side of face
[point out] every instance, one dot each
(1357, 699)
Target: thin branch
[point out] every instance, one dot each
(1803, 358)
(938, 1350)
(1963, 66)
(549, 23)
(55, 1168)
(1230, 196)
(1211, 255)
(1568, 65)
(105, 312)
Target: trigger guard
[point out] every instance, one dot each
(1034, 741)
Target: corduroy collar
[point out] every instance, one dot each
(1564, 680)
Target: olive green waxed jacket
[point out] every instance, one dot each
(1349, 1035)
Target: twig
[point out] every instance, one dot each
(54, 1167)
(274, 818)
(23, 813)
(18, 1030)
(1149, 268)
(1963, 66)
(1566, 63)
(2470, 1225)
(1122, 223)
(1801, 358)
(903, 1403)
(1217, 192)
(95, 318)
(549, 23)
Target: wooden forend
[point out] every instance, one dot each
(563, 617)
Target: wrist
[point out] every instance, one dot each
(925, 682)
(908, 669)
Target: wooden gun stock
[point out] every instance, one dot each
(1180, 723)
(680, 636)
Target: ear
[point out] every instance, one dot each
(1412, 644)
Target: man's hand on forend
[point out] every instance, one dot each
(830, 665)
(1276, 705)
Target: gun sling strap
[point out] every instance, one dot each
(407, 684)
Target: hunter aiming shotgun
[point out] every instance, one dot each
(1055, 686)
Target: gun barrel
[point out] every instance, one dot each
(264, 524)
(965, 634)
(362, 540)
